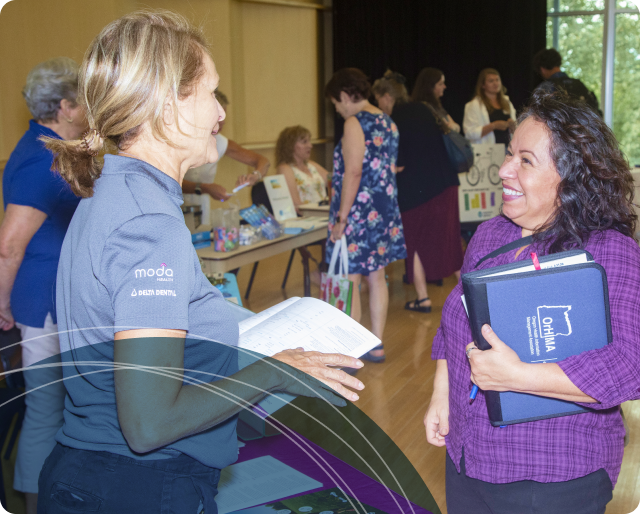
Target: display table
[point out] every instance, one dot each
(308, 458)
(221, 262)
(313, 209)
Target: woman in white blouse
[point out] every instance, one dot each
(307, 180)
(490, 117)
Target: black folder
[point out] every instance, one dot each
(544, 315)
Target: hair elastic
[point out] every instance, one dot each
(88, 140)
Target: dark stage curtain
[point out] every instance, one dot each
(460, 37)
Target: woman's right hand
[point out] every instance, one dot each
(216, 191)
(322, 367)
(337, 231)
(436, 419)
(6, 318)
(500, 125)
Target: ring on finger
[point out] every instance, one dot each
(468, 351)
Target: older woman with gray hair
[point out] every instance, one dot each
(38, 208)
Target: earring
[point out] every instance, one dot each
(69, 120)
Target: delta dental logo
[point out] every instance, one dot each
(163, 273)
(551, 322)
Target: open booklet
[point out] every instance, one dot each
(306, 323)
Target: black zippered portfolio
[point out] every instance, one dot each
(544, 315)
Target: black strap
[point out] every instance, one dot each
(524, 241)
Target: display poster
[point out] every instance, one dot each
(480, 191)
(280, 197)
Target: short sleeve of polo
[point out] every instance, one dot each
(35, 185)
(148, 269)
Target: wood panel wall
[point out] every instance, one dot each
(270, 55)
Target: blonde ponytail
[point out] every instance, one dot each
(130, 69)
(76, 161)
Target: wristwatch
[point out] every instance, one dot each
(198, 188)
(338, 220)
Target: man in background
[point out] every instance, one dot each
(547, 63)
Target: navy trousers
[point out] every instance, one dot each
(73, 481)
(586, 495)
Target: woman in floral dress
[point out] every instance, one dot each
(364, 201)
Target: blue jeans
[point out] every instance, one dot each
(75, 481)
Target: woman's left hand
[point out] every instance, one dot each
(252, 179)
(337, 231)
(512, 125)
(495, 369)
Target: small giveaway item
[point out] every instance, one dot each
(260, 217)
(226, 228)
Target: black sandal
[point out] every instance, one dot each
(416, 306)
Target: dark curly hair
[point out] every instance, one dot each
(350, 80)
(596, 188)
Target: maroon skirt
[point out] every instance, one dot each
(433, 231)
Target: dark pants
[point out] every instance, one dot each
(74, 481)
(586, 495)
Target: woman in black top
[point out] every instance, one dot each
(427, 185)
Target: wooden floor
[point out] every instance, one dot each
(398, 391)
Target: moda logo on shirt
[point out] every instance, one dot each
(163, 273)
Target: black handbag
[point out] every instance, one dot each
(458, 147)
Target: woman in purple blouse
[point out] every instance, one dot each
(566, 183)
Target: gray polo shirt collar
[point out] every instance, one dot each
(121, 165)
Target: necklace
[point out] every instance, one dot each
(120, 152)
(304, 168)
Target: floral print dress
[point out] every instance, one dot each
(311, 189)
(374, 228)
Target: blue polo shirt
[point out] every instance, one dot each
(128, 262)
(28, 180)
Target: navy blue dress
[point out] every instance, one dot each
(374, 231)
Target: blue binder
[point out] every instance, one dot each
(545, 316)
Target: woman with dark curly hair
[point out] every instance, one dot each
(566, 183)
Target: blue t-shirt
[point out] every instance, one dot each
(28, 180)
(128, 262)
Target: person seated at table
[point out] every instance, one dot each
(198, 184)
(148, 435)
(307, 180)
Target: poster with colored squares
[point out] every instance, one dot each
(480, 191)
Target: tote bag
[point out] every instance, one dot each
(336, 289)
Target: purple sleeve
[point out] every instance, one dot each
(611, 375)
(473, 254)
(438, 346)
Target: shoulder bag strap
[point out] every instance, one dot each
(524, 241)
(441, 123)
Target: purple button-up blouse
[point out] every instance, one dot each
(557, 449)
